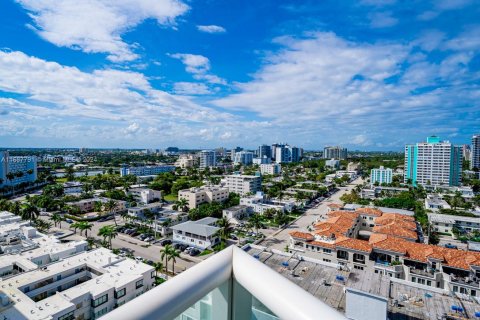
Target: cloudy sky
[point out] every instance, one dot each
(370, 74)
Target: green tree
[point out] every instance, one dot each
(108, 232)
(172, 256)
(29, 212)
(158, 267)
(256, 222)
(226, 229)
(111, 206)
(165, 254)
(57, 219)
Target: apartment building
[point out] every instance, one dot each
(185, 161)
(261, 160)
(389, 251)
(333, 163)
(273, 168)
(197, 196)
(433, 163)
(243, 158)
(445, 223)
(260, 204)
(208, 159)
(435, 202)
(243, 184)
(24, 169)
(145, 195)
(335, 153)
(475, 152)
(72, 187)
(264, 151)
(237, 213)
(381, 175)
(200, 234)
(83, 286)
(140, 211)
(287, 153)
(88, 205)
(146, 170)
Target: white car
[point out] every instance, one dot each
(139, 258)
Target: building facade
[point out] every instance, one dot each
(264, 151)
(146, 170)
(22, 169)
(208, 159)
(243, 184)
(335, 153)
(273, 168)
(475, 152)
(381, 175)
(145, 195)
(433, 162)
(200, 234)
(197, 196)
(243, 157)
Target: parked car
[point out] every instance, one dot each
(233, 237)
(138, 258)
(450, 246)
(194, 252)
(187, 251)
(70, 221)
(164, 242)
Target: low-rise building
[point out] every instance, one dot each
(72, 187)
(243, 184)
(83, 286)
(273, 168)
(197, 196)
(145, 195)
(237, 213)
(186, 161)
(445, 223)
(434, 202)
(88, 205)
(332, 163)
(140, 211)
(146, 170)
(201, 234)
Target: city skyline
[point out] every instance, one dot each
(368, 75)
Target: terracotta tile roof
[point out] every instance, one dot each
(396, 216)
(334, 205)
(346, 214)
(323, 244)
(302, 235)
(355, 244)
(388, 243)
(410, 225)
(369, 211)
(396, 231)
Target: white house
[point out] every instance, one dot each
(201, 234)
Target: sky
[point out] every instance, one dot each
(365, 74)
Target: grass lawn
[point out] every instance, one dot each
(170, 197)
(205, 252)
(61, 180)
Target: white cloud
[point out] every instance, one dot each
(382, 20)
(96, 26)
(191, 88)
(325, 87)
(198, 66)
(212, 29)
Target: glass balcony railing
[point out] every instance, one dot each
(230, 285)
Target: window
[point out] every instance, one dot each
(99, 301)
(327, 260)
(67, 316)
(414, 279)
(139, 284)
(120, 293)
(358, 267)
(473, 292)
(100, 313)
(327, 250)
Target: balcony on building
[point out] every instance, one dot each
(230, 285)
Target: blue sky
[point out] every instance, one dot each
(367, 74)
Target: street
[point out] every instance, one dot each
(279, 240)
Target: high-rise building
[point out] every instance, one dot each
(243, 157)
(286, 153)
(381, 175)
(433, 162)
(234, 151)
(475, 152)
(208, 159)
(335, 153)
(15, 170)
(264, 151)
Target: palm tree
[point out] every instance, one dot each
(226, 229)
(15, 208)
(164, 254)
(111, 206)
(90, 242)
(43, 225)
(158, 267)
(11, 176)
(108, 232)
(75, 226)
(84, 226)
(57, 219)
(182, 203)
(256, 222)
(29, 212)
(173, 254)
